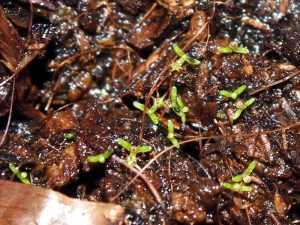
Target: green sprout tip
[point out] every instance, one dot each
(171, 135)
(241, 50)
(125, 144)
(178, 50)
(139, 106)
(70, 135)
(219, 115)
(233, 47)
(22, 176)
(101, 158)
(249, 102)
(225, 50)
(241, 106)
(177, 104)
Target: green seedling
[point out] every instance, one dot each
(133, 151)
(21, 175)
(70, 135)
(151, 112)
(234, 94)
(101, 158)
(237, 187)
(171, 135)
(58, 101)
(183, 58)
(241, 106)
(177, 104)
(245, 176)
(233, 47)
(238, 180)
(219, 115)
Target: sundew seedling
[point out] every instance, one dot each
(101, 158)
(150, 112)
(70, 135)
(22, 176)
(239, 180)
(233, 47)
(234, 94)
(158, 102)
(245, 176)
(133, 151)
(219, 115)
(241, 106)
(177, 104)
(183, 58)
(171, 135)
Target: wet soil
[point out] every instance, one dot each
(77, 67)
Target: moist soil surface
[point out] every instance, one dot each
(198, 89)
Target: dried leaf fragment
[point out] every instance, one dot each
(280, 205)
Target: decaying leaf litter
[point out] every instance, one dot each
(182, 112)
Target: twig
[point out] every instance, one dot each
(275, 220)
(30, 19)
(10, 113)
(248, 216)
(147, 14)
(144, 178)
(8, 79)
(275, 83)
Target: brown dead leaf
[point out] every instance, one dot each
(280, 205)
